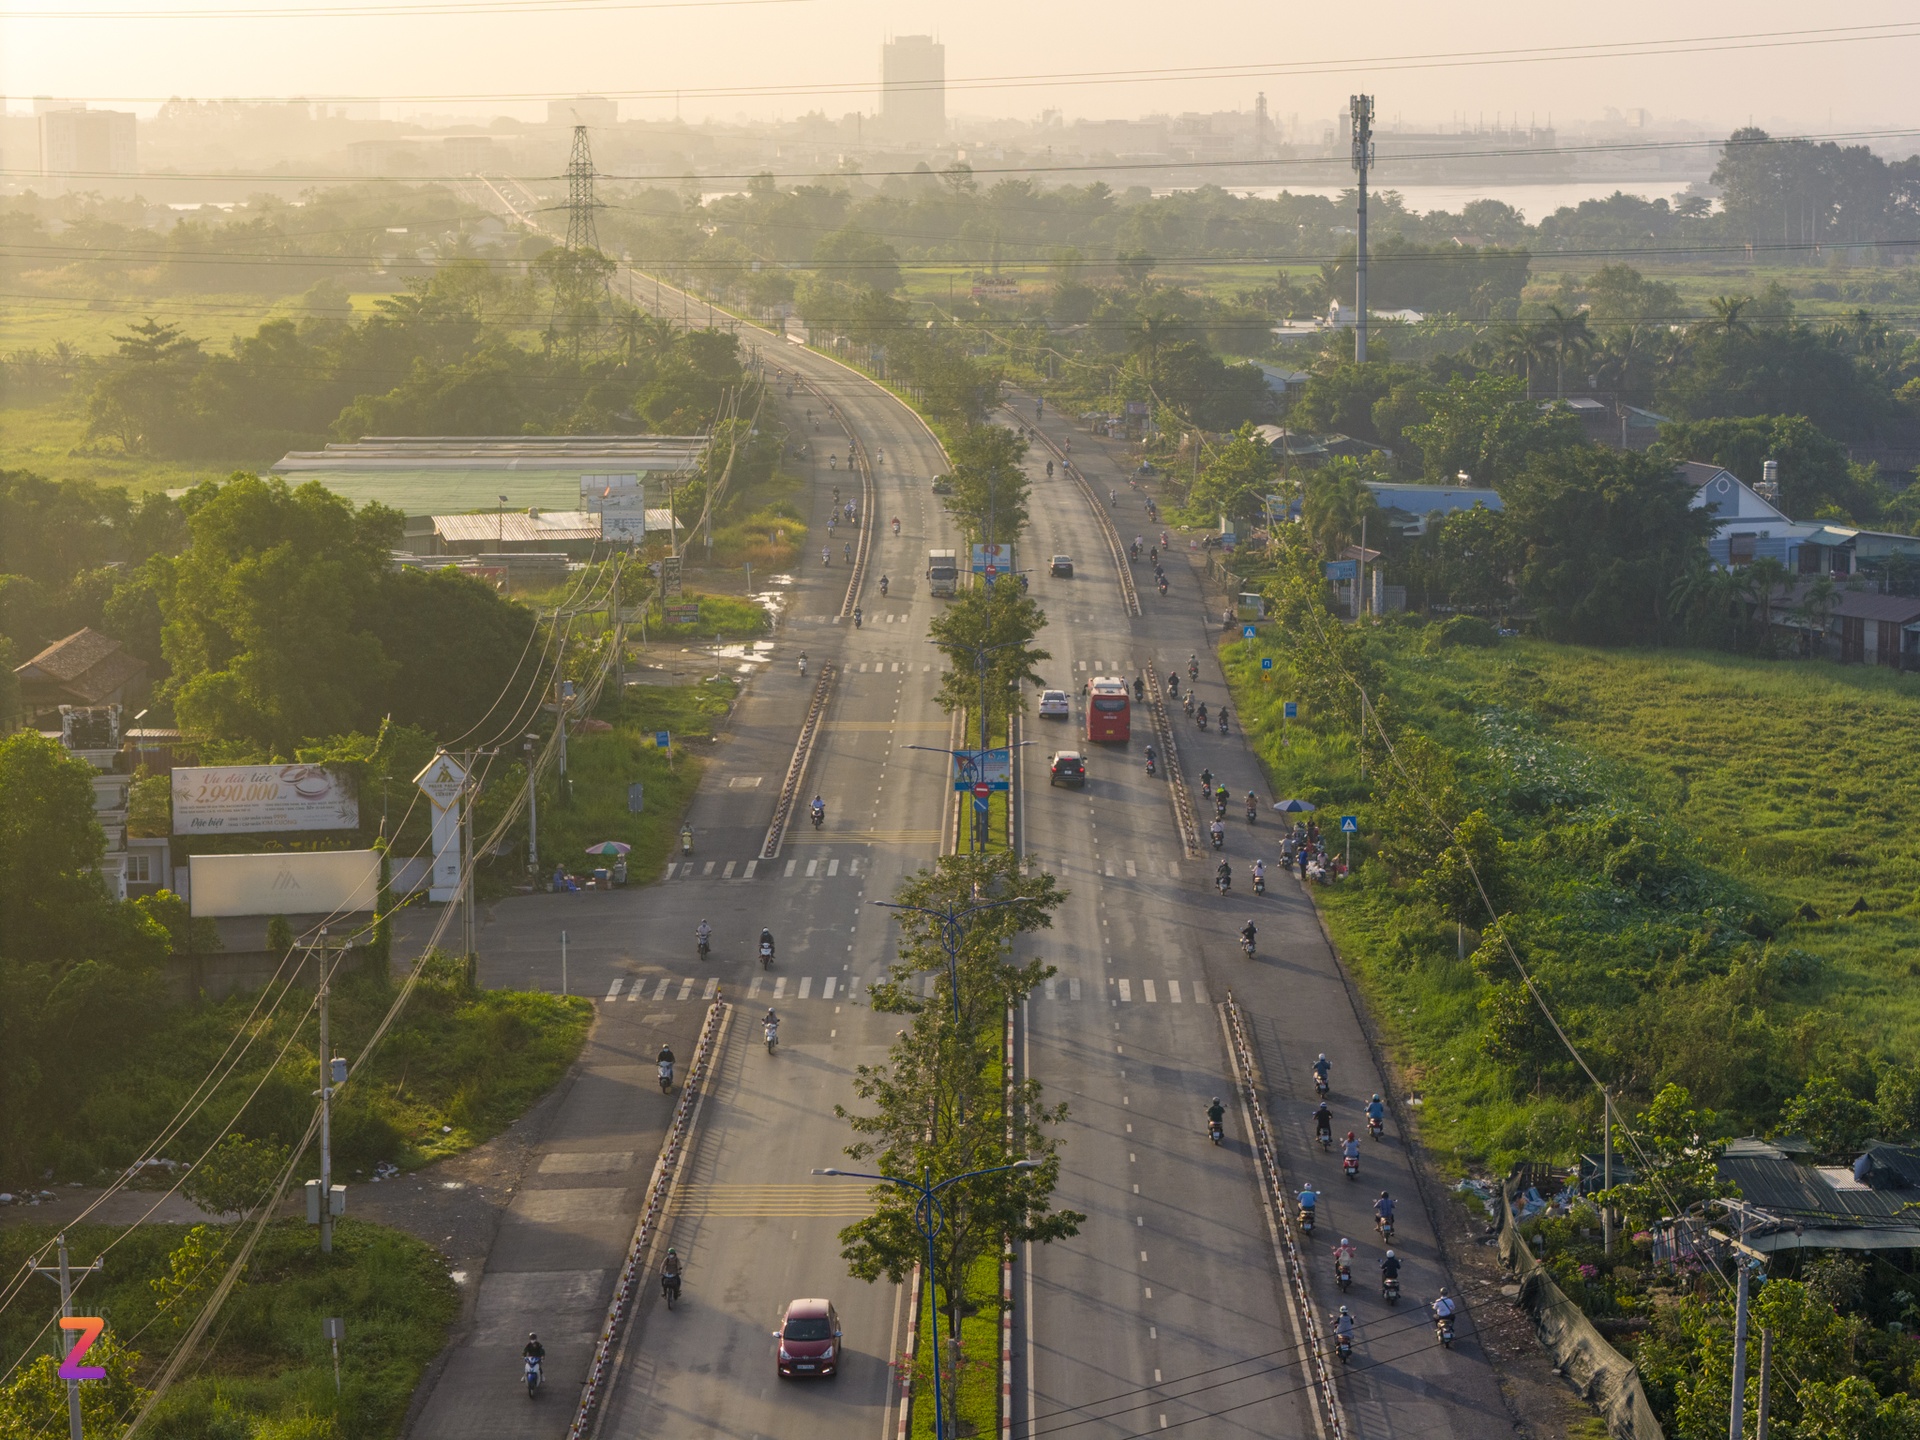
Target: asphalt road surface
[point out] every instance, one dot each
(1169, 1310)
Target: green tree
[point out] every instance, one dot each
(1475, 557)
(266, 616)
(1486, 428)
(1338, 504)
(1815, 472)
(1340, 398)
(34, 1402)
(194, 1268)
(1236, 481)
(1604, 536)
(141, 398)
(853, 257)
(989, 496)
(1674, 1160)
(1476, 850)
(235, 1176)
(987, 636)
(1834, 1121)
(50, 846)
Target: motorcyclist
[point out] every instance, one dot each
(1253, 805)
(670, 1271)
(819, 808)
(1321, 1067)
(1216, 1112)
(1344, 1252)
(849, 551)
(856, 617)
(703, 933)
(1376, 1109)
(1193, 664)
(1173, 685)
(1206, 782)
(1139, 689)
(665, 1061)
(896, 524)
(1260, 872)
(1308, 1198)
(766, 940)
(1383, 1208)
(1223, 877)
(803, 662)
(1223, 719)
(1343, 1325)
(826, 555)
(883, 585)
(1203, 715)
(1350, 1147)
(1151, 757)
(1445, 1307)
(1323, 1120)
(533, 1349)
(1390, 1267)
(1247, 934)
(1218, 831)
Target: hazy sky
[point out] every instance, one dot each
(824, 54)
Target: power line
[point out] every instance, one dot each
(353, 12)
(1427, 60)
(1622, 147)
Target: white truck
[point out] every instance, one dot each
(943, 572)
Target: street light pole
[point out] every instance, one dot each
(926, 1216)
(950, 922)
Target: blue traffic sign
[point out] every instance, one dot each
(1247, 632)
(663, 739)
(1349, 823)
(1266, 662)
(1292, 710)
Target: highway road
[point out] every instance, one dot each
(1169, 1311)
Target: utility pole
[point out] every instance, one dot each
(63, 1274)
(1360, 108)
(326, 1102)
(1766, 1366)
(533, 812)
(1737, 1406)
(1606, 1171)
(470, 789)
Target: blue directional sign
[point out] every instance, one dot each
(663, 739)
(1247, 632)
(1349, 823)
(1292, 711)
(1266, 663)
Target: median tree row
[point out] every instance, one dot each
(940, 1107)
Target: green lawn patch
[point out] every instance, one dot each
(1710, 862)
(264, 1369)
(979, 1355)
(454, 1069)
(722, 617)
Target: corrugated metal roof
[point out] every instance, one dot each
(515, 528)
(590, 453)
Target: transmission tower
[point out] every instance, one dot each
(1360, 108)
(581, 234)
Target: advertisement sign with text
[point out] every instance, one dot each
(252, 799)
(298, 882)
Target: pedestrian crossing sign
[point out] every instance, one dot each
(1349, 823)
(1247, 632)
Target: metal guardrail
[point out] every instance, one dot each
(1268, 1157)
(797, 766)
(658, 1189)
(1176, 777)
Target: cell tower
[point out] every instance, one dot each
(1360, 109)
(581, 234)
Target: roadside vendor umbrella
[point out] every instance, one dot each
(608, 847)
(1294, 807)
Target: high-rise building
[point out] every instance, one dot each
(913, 88)
(82, 149)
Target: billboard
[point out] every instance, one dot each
(307, 882)
(998, 556)
(972, 766)
(250, 799)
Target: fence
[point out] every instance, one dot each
(1602, 1375)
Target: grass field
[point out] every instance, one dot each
(50, 439)
(266, 1371)
(1715, 875)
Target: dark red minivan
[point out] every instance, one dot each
(809, 1339)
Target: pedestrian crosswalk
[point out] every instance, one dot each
(1110, 867)
(846, 989)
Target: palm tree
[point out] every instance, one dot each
(1150, 332)
(1727, 318)
(1567, 333)
(1763, 577)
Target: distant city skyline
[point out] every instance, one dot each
(786, 58)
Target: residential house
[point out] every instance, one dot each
(85, 669)
(1868, 628)
(1751, 526)
(92, 733)
(1409, 507)
(1783, 1204)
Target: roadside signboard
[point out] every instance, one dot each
(1266, 663)
(992, 559)
(1349, 823)
(294, 882)
(1292, 711)
(972, 768)
(1247, 632)
(686, 614)
(982, 790)
(669, 575)
(663, 739)
(1343, 569)
(252, 799)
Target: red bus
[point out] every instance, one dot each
(1109, 710)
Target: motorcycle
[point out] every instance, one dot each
(1193, 669)
(1150, 769)
(1390, 1289)
(1373, 1128)
(1246, 946)
(1223, 722)
(773, 1038)
(1163, 587)
(1306, 1221)
(1320, 1085)
(670, 1287)
(803, 667)
(856, 619)
(1383, 1225)
(666, 1077)
(1259, 884)
(1213, 1130)
(1219, 839)
(686, 839)
(1223, 883)
(533, 1375)
(819, 818)
(703, 948)
(1343, 1275)
(1351, 1165)
(1253, 814)
(766, 954)
(883, 587)
(1189, 702)
(1325, 1137)
(1343, 1347)
(1203, 719)
(1443, 1330)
